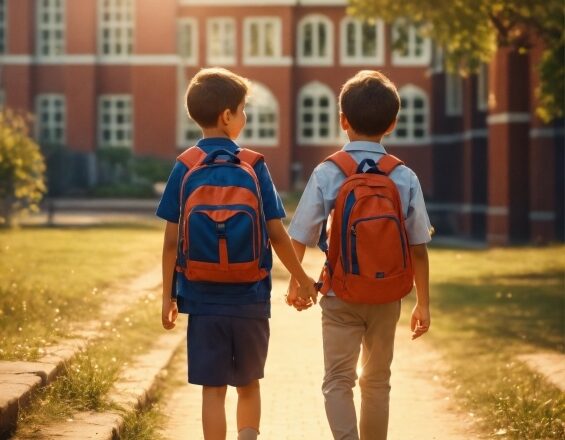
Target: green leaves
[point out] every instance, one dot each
(22, 168)
(469, 32)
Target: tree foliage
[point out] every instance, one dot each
(22, 168)
(469, 32)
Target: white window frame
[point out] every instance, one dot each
(113, 126)
(55, 13)
(408, 93)
(226, 36)
(315, 59)
(261, 101)
(410, 59)
(190, 26)
(3, 26)
(125, 26)
(316, 90)
(184, 123)
(50, 101)
(359, 59)
(261, 23)
(482, 88)
(453, 94)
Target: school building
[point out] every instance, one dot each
(112, 73)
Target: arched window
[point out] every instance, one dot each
(317, 115)
(413, 117)
(362, 43)
(315, 40)
(262, 110)
(414, 49)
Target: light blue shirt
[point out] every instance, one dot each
(320, 193)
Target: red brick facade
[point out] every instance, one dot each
(493, 173)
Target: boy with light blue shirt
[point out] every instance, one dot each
(369, 104)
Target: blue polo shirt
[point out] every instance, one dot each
(247, 300)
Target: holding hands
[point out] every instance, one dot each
(301, 295)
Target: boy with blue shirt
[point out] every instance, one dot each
(228, 330)
(369, 104)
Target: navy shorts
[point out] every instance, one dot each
(225, 350)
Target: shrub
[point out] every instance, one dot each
(22, 168)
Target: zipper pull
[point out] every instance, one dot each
(353, 231)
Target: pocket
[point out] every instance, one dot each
(378, 248)
(222, 235)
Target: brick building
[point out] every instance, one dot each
(112, 73)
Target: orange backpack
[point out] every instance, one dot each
(368, 260)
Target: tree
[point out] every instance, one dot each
(22, 168)
(469, 32)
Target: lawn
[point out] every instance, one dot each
(50, 277)
(488, 307)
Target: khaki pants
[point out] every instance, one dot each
(345, 328)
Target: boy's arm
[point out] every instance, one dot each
(420, 321)
(292, 296)
(285, 251)
(169, 310)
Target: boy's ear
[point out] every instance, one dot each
(391, 128)
(225, 116)
(343, 122)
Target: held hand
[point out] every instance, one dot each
(169, 314)
(420, 321)
(292, 298)
(307, 291)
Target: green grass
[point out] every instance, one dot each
(50, 277)
(86, 381)
(487, 308)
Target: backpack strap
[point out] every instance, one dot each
(249, 156)
(191, 157)
(344, 162)
(388, 163)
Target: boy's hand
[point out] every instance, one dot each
(292, 298)
(169, 314)
(306, 290)
(420, 322)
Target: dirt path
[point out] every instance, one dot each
(292, 401)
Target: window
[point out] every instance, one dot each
(362, 43)
(221, 41)
(316, 114)
(50, 28)
(412, 121)
(187, 43)
(3, 19)
(116, 27)
(262, 38)
(482, 88)
(262, 111)
(115, 121)
(190, 132)
(453, 94)
(50, 119)
(410, 47)
(2, 99)
(315, 40)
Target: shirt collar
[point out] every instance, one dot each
(374, 147)
(217, 143)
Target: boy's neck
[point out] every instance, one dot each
(214, 132)
(363, 137)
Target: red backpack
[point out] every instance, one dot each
(368, 260)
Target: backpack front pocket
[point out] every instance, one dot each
(222, 235)
(371, 256)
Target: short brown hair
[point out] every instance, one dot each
(213, 90)
(370, 102)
